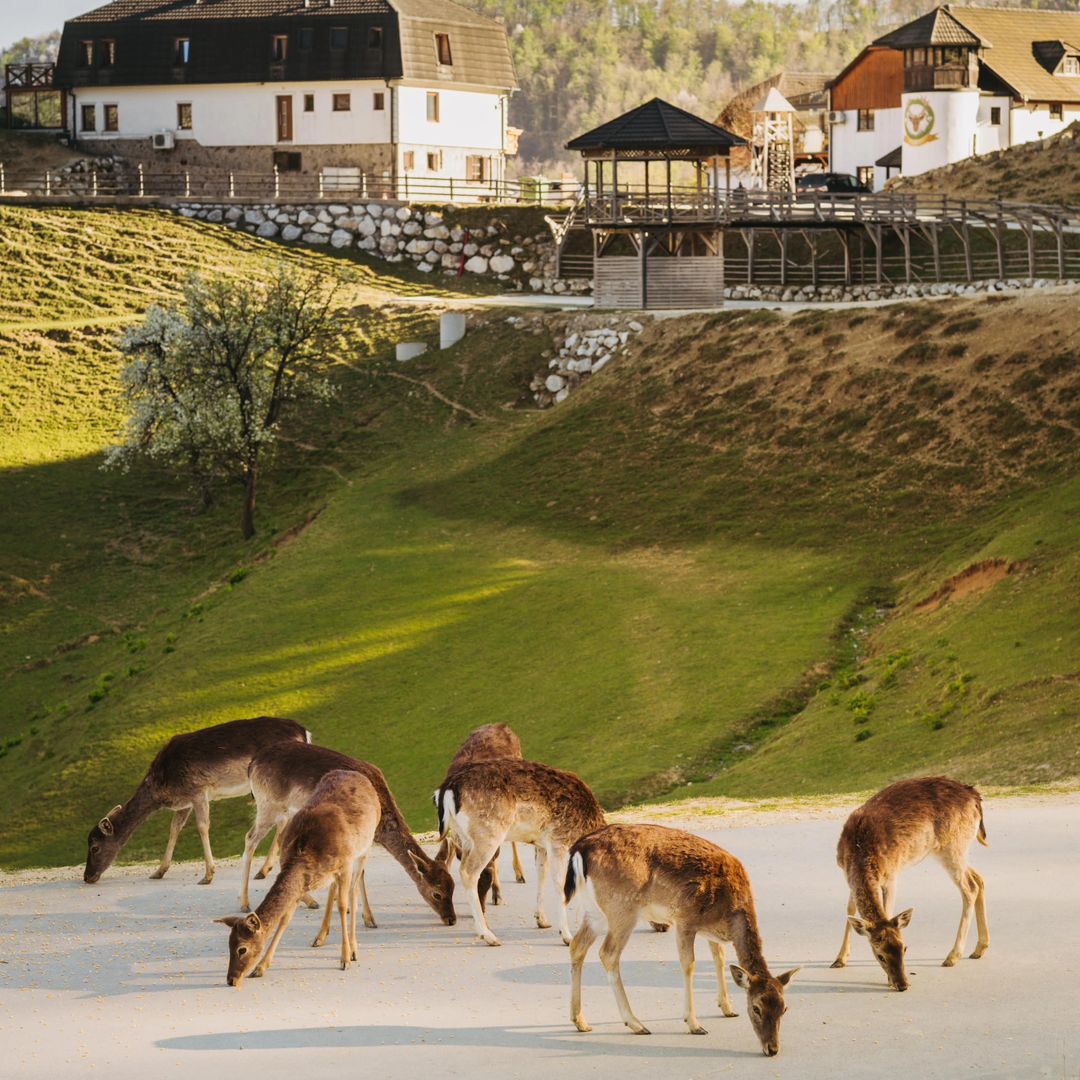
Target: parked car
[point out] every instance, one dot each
(837, 183)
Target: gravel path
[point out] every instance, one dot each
(127, 977)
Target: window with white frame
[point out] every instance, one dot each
(474, 167)
(434, 160)
(408, 160)
(183, 116)
(433, 107)
(1070, 65)
(88, 118)
(995, 115)
(866, 120)
(112, 118)
(1056, 110)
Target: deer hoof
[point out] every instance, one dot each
(244, 906)
(979, 950)
(949, 961)
(371, 924)
(580, 1024)
(207, 879)
(159, 873)
(491, 940)
(520, 879)
(542, 923)
(258, 973)
(728, 1013)
(260, 875)
(318, 943)
(640, 1029)
(699, 1030)
(838, 963)
(659, 927)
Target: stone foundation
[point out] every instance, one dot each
(431, 237)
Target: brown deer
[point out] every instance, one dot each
(627, 872)
(482, 804)
(897, 828)
(282, 778)
(329, 837)
(485, 744)
(189, 772)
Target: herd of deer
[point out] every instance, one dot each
(328, 809)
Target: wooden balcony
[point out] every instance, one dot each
(926, 77)
(29, 76)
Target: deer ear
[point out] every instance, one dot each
(742, 979)
(229, 920)
(901, 920)
(253, 922)
(105, 826)
(857, 925)
(784, 979)
(420, 864)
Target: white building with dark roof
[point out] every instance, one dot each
(955, 82)
(395, 88)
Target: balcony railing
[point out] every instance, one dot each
(926, 78)
(29, 76)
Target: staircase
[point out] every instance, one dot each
(573, 242)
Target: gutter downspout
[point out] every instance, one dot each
(392, 93)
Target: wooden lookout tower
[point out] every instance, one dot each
(651, 201)
(773, 160)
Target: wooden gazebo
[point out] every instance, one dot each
(656, 240)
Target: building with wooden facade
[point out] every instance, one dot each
(955, 82)
(390, 87)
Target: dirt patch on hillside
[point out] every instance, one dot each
(977, 578)
(1045, 171)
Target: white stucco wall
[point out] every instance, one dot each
(990, 136)
(466, 118)
(950, 123)
(1033, 121)
(851, 149)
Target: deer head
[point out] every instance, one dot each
(246, 936)
(102, 847)
(436, 886)
(888, 945)
(765, 1003)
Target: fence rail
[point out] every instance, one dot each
(222, 185)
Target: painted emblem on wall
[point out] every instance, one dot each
(918, 122)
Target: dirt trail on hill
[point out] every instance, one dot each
(127, 977)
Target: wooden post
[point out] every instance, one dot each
(1029, 232)
(644, 270)
(965, 239)
(668, 163)
(905, 238)
(142, 180)
(3, 181)
(1059, 232)
(748, 236)
(812, 244)
(877, 255)
(936, 245)
(321, 187)
(845, 241)
(998, 225)
(48, 182)
(93, 181)
(187, 183)
(277, 183)
(782, 237)
(232, 185)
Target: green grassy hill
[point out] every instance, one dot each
(707, 568)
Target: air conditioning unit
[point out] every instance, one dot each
(163, 140)
(837, 117)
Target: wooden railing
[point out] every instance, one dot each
(29, 76)
(162, 182)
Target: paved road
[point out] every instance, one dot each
(127, 978)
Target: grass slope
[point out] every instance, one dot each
(704, 568)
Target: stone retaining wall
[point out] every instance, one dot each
(446, 240)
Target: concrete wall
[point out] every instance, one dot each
(1031, 122)
(850, 149)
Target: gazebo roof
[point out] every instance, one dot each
(659, 128)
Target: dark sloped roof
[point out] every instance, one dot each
(478, 45)
(937, 27)
(657, 125)
(1009, 37)
(891, 160)
(185, 10)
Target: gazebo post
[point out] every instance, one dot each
(667, 161)
(615, 182)
(646, 184)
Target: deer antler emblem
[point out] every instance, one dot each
(916, 118)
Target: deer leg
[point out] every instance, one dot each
(272, 854)
(541, 879)
(888, 895)
(496, 884)
(560, 861)
(202, 823)
(258, 830)
(968, 892)
(473, 863)
(324, 929)
(579, 949)
(178, 822)
(343, 888)
(264, 964)
(361, 886)
(723, 1000)
(358, 888)
(845, 947)
(685, 940)
(980, 915)
(519, 874)
(610, 951)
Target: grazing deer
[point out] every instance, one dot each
(282, 779)
(632, 871)
(189, 772)
(897, 828)
(329, 837)
(482, 804)
(485, 744)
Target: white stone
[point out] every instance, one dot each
(324, 216)
(440, 246)
(572, 341)
(215, 215)
(337, 211)
(395, 229)
(501, 264)
(451, 328)
(477, 265)
(266, 230)
(432, 217)
(450, 261)
(562, 395)
(411, 228)
(409, 350)
(470, 250)
(315, 238)
(418, 247)
(291, 232)
(366, 226)
(384, 226)
(403, 213)
(374, 209)
(432, 257)
(340, 238)
(554, 383)
(437, 232)
(635, 326)
(388, 245)
(600, 363)
(234, 213)
(321, 227)
(254, 217)
(367, 243)
(426, 267)
(611, 341)
(305, 218)
(536, 284)
(346, 222)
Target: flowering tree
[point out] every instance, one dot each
(206, 382)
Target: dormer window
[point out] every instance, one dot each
(86, 53)
(1070, 65)
(279, 48)
(442, 49)
(181, 52)
(307, 38)
(375, 38)
(339, 38)
(108, 53)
